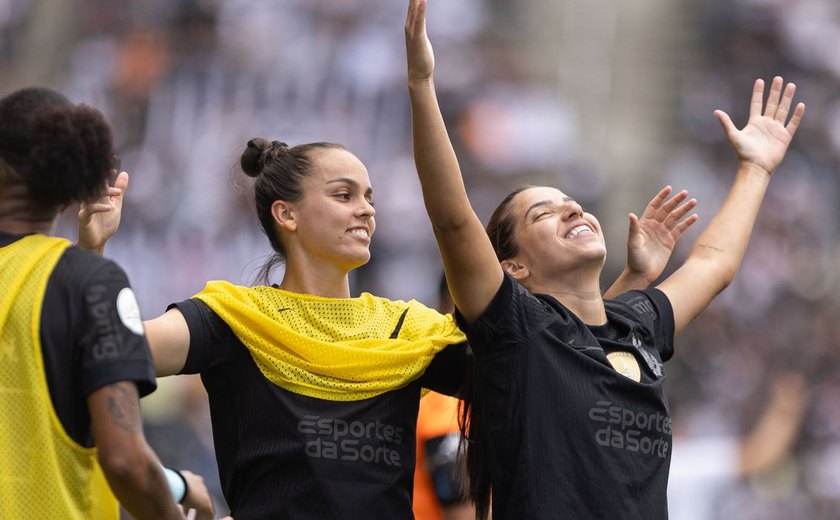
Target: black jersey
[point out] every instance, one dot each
(85, 341)
(285, 455)
(568, 436)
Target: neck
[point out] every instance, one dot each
(17, 216)
(306, 278)
(578, 293)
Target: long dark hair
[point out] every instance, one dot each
(473, 446)
(279, 171)
(59, 151)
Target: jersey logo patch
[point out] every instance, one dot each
(129, 311)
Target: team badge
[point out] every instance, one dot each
(625, 364)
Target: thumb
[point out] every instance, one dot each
(634, 223)
(726, 122)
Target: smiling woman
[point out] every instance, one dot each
(313, 393)
(569, 416)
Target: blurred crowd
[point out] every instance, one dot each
(187, 82)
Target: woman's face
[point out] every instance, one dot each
(335, 215)
(553, 232)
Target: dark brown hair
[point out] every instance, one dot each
(61, 152)
(473, 447)
(279, 171)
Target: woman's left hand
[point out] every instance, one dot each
(653, 236)
(99, 219)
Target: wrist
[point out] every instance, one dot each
(752, 167)
(634, 275)
(100, 249)
(177, 484)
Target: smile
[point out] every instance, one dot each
(582, 229)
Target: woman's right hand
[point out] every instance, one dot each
(99, 219)
(421, 57)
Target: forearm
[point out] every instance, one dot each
(141, 487)
(437, 166)
(723, 243)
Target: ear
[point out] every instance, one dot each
(284, 215)
(517, 270)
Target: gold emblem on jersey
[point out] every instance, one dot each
(625, 364)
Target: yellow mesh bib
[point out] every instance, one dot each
(43, 472)
(339, 349)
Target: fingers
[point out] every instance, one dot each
(784, 106)
(416, 20)
(757, 101)
(675, 201)
(680, 228)
(678, 213)
(798, 112)
(658, 199)
(773, 97)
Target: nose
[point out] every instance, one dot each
(366, 209)
(573, 210)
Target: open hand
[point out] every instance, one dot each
(653, 236)
(99, 219)
(766, 137)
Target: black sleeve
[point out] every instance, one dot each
(512, 314)
(211, 339)
(114, 346)
(447, 371)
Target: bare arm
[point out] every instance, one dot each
(715, 257)
(132, 469)
(652, 239)
(169, 341)
(473, 272)
(778, 428)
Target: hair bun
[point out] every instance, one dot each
(257, 153)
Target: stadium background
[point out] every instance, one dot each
(607, 100)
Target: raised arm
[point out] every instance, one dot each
(761, 145)
(471, 266)
(652, 239)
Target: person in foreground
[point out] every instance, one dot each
(314, 393)
(73, 359)
(569, 419)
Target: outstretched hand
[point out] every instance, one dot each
(653, 236)
(419, 53)
(766, 137)
(99, 219)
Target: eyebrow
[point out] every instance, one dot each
(546, 202)
(350, 182)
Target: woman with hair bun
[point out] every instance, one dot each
(73, 358)
(313, 392)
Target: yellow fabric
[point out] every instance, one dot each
(43, 473)
(332, 348)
